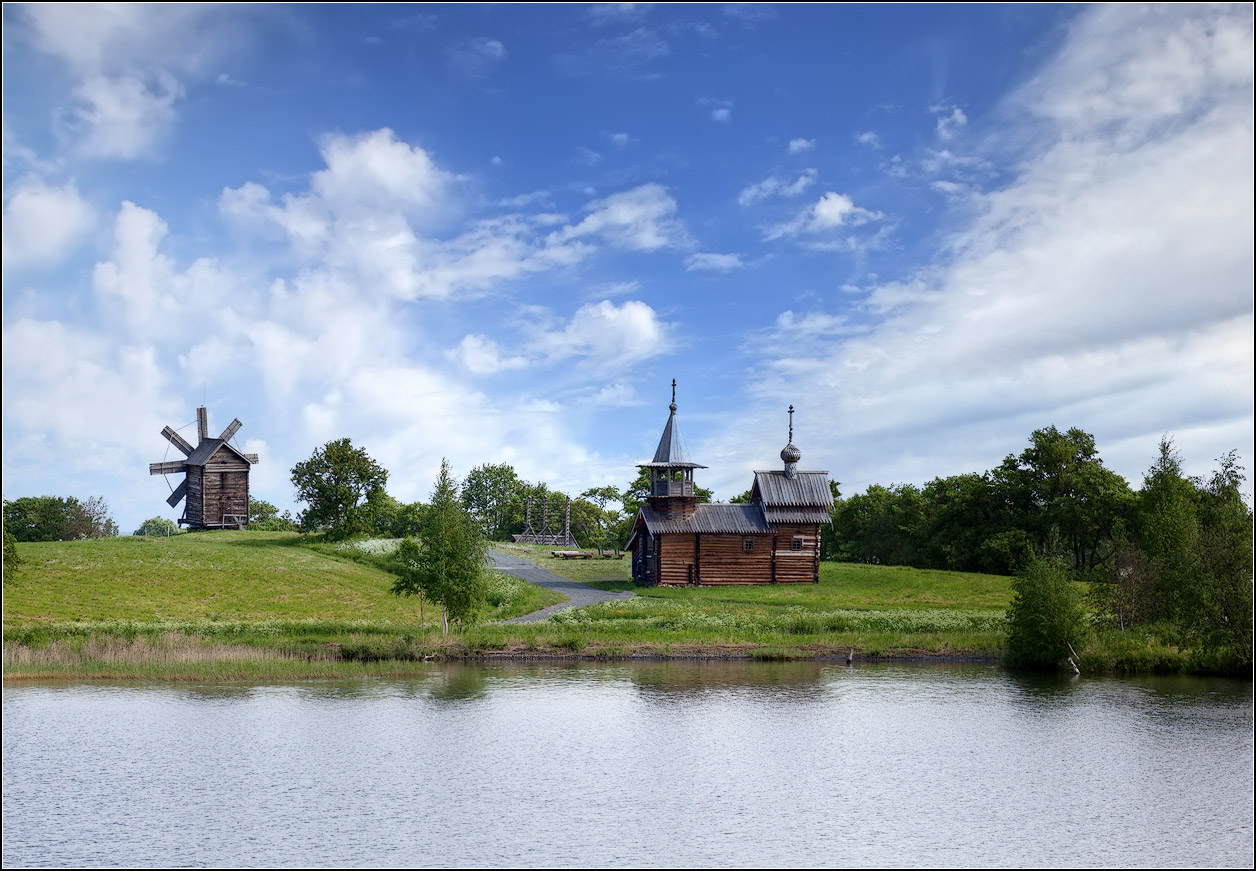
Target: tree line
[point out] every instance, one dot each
(1177, 552)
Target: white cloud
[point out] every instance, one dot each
(1107, 285)
(130, 64)
(480, 355)
(607, 335)
(641, 218)
(42, 223)
(951, 120)
(776, 186)
(122, 117)
(798, 146)
(831, 211)
(723, 114)
(621, 140)
(868, 138)
(713, 262)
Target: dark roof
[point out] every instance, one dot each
(731, 519)
(207, 448)
(804, 490)
(672, 450)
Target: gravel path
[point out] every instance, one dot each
(578, 594)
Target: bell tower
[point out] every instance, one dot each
(671, 471)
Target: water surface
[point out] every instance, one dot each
(689, 764)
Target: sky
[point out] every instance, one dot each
(496, 233)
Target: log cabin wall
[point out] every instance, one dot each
(195, 498)
(798, 566)
(724, 559)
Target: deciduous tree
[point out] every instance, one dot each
(447, 563)
(336, 483)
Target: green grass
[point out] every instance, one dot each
(220, 576)
(249, 605)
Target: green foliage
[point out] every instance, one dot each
(157, 526)
(1046, 615)
(265, 517)
(52, 518)
(11, 558)
(491, 495)
(337, 483)
(446, 564)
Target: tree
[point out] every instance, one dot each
(265, 517)
(157, 526)
(604, 519)
(491, 493)
(447, 562)
(53, 518)
(41, 518)
(1046, 615)
(336, 483)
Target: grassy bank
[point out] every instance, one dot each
(240, 606)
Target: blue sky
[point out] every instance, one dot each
(496, 233)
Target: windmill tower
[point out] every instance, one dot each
(216, 477)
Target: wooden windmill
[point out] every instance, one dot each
(216, 477)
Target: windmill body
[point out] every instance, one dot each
(216, 477)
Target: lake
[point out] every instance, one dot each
(654, 764)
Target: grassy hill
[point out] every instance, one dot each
(196, 576)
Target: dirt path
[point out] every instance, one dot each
(578, 594)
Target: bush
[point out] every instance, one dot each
(1046, 615)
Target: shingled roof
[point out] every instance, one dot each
(672, 451)
(208, 447)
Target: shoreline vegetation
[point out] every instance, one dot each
(241, 606)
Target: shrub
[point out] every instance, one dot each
(1046, 615)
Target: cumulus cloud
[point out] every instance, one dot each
(480, 355)
(607, 335)
(122, 117)
(776, 186)
(43, 222)
(130, 63)
(868, 138)
(1107, 285)
(798, 146)
(951, 120)
(831, 211)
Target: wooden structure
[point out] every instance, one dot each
(547, 535)
(216, 477)
(775, 539)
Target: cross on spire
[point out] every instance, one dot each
(673, 405)
(791, 424)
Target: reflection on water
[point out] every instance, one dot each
(657, 764)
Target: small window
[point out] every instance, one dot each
(747, 545)
(796, 544)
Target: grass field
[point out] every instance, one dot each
(250, 605)
(212, 576)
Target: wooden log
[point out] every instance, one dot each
(232, 429)
(179, 492)
(166, 468)
(178, 441)
(202, 423)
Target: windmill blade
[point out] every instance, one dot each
(202, 424)
(166, 468)
(231, 430)
(252, 458)
(177, 440)
(178, 494)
